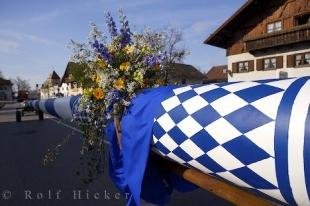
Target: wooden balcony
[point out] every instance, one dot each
(295, 35)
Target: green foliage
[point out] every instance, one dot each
(80, 74)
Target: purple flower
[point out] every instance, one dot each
(125, 30)
(113, 97)
(111, 25)
(102, 50)
(152, 60)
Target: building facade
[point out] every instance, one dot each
(216, 74)
(266, 40)
(68, 86)
(50, 88)
(6, 92)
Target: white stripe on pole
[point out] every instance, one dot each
(62, 108)
(296, 145)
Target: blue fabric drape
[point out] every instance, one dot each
(129, 169)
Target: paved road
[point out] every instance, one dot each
(22, 175)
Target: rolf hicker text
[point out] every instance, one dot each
(76, 195)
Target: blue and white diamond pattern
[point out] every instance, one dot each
(218, 129)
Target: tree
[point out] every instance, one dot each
(21, 84)
(1, 74)
(168, 41)
(172, 37)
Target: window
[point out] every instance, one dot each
(275, 26)
(302, 59)
(243, 67)
(298, 59)
(302, 19)
(270, 63)
(307, 58)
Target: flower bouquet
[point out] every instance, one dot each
(115, 69)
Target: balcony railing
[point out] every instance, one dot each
(285, 37)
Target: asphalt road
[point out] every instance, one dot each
(24, 181)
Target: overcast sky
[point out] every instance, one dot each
(34, 34)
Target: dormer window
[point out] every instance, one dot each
(273, 27)
(302, 19)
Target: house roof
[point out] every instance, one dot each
(65, 78)
(55, 76)
(217, 73)
(5, 81)
(185, 71)
(220, 36)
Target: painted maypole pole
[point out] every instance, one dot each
(253, 134)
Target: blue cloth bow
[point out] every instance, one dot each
(130, 169)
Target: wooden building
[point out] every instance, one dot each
(184, 74)
(266, 39)
(216, 74)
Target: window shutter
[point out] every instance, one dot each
(290, 61)
(251, 66)
(279, 62)
(259, 64)
(234, 68)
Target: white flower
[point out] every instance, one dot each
(131, 87)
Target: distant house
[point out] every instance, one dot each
(184, 74)
(266, 40)
(5, 90)
(68, 85)
(50, 88)
(216, 74)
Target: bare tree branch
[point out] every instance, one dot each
(21, 84)
(173, 37)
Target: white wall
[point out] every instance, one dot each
(67, 90)
(270, 74)
(64, 89)
(7, 90)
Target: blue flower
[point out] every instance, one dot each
(125, 30)
(102, 50)
(112, 97)
(111, 25)
(153, 60)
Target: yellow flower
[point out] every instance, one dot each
(111, 48)
(124, 66)
(129, 49)
(96, 78)
(98, 93)
(119, 84)
(138, 77)
(101, 64)
(145, 49)
(87, 92)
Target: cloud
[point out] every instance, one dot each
(8, 46)
(43, 18)
(23, 36)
